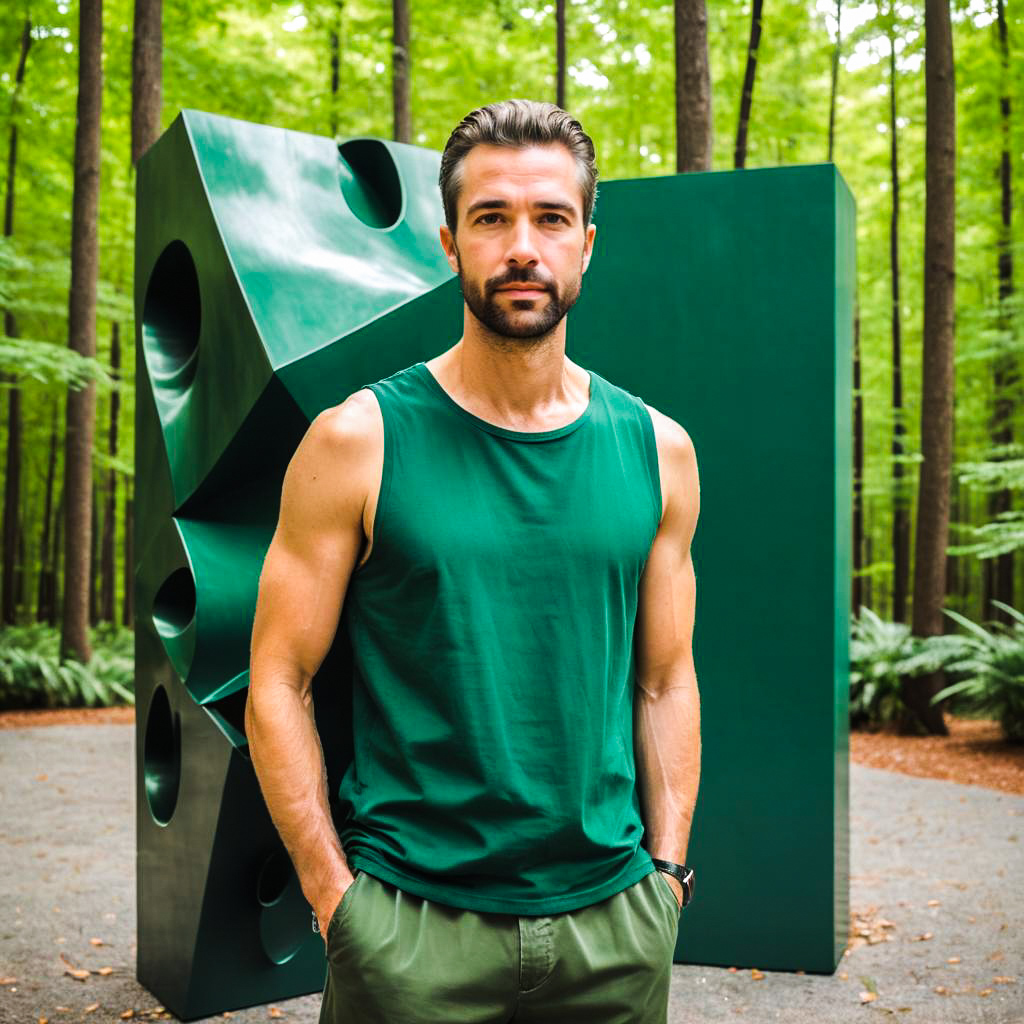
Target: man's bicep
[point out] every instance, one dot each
(668, 587)
(313, 551)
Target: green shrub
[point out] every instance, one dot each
(993, 662)
(32, 675)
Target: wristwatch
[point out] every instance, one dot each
(680, 871)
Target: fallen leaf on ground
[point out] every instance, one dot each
(79, 974)
(868, 997)
(1001, 979)
(922, 938)
(985, 992)
(105, 971)
(91, 1008)
(952, 960)
(96, 942)
(275, 1012)
(127, 1015)
(41, 778)
(934, 903)
(8, 981)
(843, 976)
(44, 1020)
(756, 975)
(942, 990)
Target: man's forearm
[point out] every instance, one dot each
(289, 764)
(667, 745)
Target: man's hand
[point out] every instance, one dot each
(677, 887)
(327, 906)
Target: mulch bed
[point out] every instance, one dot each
(974, 751)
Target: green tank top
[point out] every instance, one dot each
(492, 637)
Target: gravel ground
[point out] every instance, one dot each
(928, 858)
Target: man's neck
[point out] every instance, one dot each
(522, 382)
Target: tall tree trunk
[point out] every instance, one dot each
(693, 87)
(901, 510)
(47, 584)
(128, 605)
(334, 40)
(58, 535)
(81, 404)
(400, 70)
(94, 560)
(836, 53)
(147, 75)
(1005, 377)
(937, 376)
(747, 96)
(107, 567)
(858, 470)
(560, 68)
(12, 464)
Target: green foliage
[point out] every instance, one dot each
(994, 662)
(32, 675)
(878, 652)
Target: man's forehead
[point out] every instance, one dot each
(514, 168)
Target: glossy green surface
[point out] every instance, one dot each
(275, 275)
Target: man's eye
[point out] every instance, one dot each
(488, 218)
(553, 218)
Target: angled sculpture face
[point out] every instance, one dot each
(276, 274)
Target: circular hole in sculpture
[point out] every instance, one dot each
(162, 757)
(171, 316)
(174, 606)
(275, 874)
(284, 914)
(370, 182)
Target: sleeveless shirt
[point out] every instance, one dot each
(492, 637)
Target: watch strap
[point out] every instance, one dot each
(680, 871)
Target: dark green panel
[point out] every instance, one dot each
(737, 322)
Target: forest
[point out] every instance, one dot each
(919, 104)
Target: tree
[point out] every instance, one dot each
(693, 87)
(147, 75)
(560, 69)
(901, 510)
(12, 471)
(747, 96)
(81, 402)
(107, 567)
(937, 374)
(400, 70)
(836, 53)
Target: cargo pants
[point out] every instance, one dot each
(395, 958)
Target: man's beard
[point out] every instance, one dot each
(483, 304)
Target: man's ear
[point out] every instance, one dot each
(450, 251)
(588, 245)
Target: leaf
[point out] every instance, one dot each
(91, 1008)
(105, 971)
(79, 974)
(96, 942)
(275, 1012)
(868, 997)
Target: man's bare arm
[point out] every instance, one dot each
(667, 704)
(305, 575)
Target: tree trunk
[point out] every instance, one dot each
(147, 75)
(937, 376)
(1006, 378)
(901, 511)
(128, 605)
(334, 39)
(12, 464)
(45, 608)
(55, 597)
(81, 404)
(858, 470)
(94, 560)
(560, 69)
(107, 566)
(747, 96)
(400, 70)
(836, 52)
(693, 87)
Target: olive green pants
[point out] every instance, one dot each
(394, 958)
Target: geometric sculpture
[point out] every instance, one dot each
(277, 272)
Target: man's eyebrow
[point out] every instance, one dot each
(501, 204)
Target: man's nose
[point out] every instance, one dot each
(522, 250)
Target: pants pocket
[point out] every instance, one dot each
(343, 906)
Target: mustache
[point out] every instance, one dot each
(523, 275)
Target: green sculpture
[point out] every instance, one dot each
(277, 272)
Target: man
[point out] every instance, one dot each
(505, 537)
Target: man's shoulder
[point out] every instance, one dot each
(349, 431)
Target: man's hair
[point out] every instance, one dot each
(517, 124)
